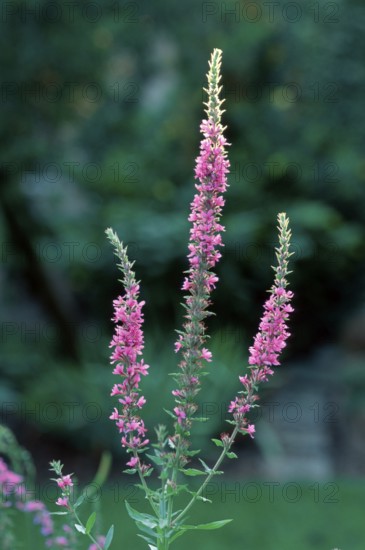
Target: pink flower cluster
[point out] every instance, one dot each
(205, 234)
(271, 338)
(13, 493)
(128, 343)
(9, 482)
(211, 170)
(65, 483)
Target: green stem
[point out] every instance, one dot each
(209, 476)
(88, 534)
(147, 491)
(173, 481)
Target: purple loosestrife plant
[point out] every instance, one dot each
(171, 453)
(70, 507)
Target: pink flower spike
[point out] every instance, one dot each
(128, 344)
(270, 341)
(211, 171)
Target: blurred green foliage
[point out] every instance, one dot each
(261, 519)
(101, 111)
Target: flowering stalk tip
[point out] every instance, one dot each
(271, 338)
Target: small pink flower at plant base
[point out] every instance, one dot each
(62, 501)
(9, 480)
(60, 541)
(101, 542)
(34, 506)
(271, 338)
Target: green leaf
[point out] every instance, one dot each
(156, 459)
(192, 453)
(145, 529)
(148, 473)
(170, 414)
(177, 535)
(148, 540)
(109, 538)
(205, 466)
(130, 471)
(217, 442)
(145, 519)
(80, 528)
(207, 526)
(204, 499)
(79, 501)
(193, 472)
(90, 522)
(58, 513)
(232, 455)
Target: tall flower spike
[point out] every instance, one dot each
(205, 238)
(128, 343)
(271, 338)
